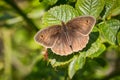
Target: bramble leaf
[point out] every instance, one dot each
(90, 7)
(77, 63)
(109, 29)
(112, 8)
(59, 13)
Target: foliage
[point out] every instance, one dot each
(23, 59)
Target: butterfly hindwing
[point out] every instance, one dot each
(78, 41)
(62, 46)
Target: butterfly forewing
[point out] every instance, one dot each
(83, 24)
(48, 36)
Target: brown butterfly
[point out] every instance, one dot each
(67, 38)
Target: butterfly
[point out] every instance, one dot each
(68, 37)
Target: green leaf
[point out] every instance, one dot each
(80, 62)
(57, 14)
(115, 11)
(112, 8)
(118, 38)
(109, 29)
(108, 6)
(93, 49)
(101, 49)
(56, 63)
(77, 63)
(57, 60)
(71, 69)
(90, 7)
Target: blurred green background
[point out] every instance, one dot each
(21, 58)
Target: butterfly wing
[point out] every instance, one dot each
(61, 46)
(77, 37)
(67, 44)
(78, 31)
(83, 24)
(48, 36)
(78, 41)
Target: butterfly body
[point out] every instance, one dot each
(67, 38)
